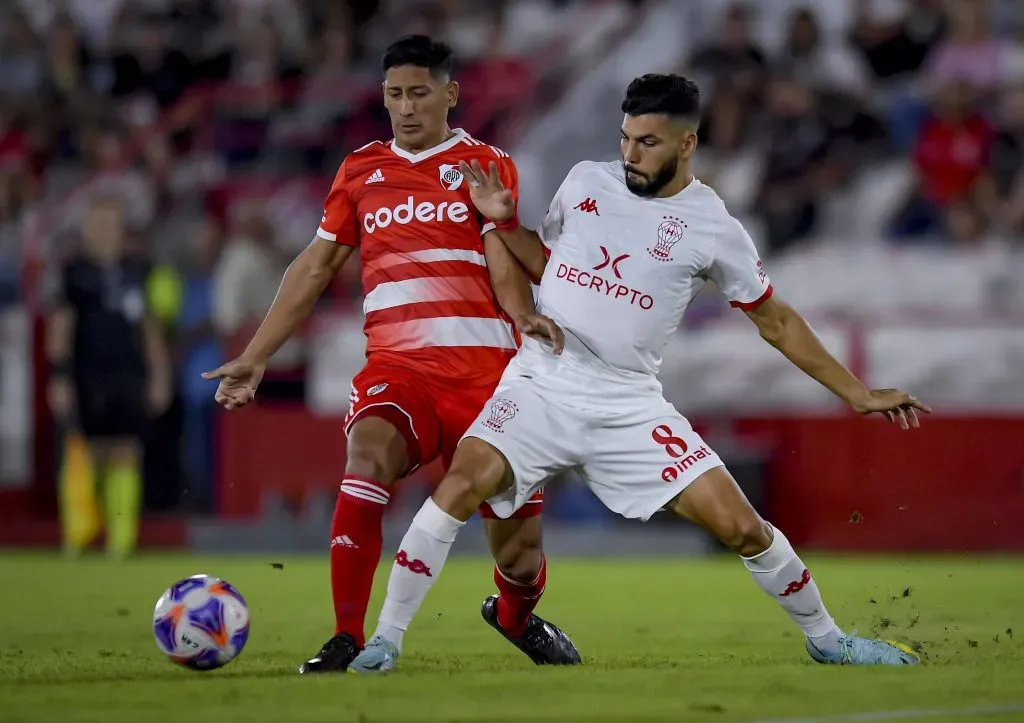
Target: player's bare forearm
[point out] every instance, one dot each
(303, 283)
(785, 329)
(508, 278)
(526, 246)
(59, 331)
(158, 355)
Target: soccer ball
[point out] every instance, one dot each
(201, 622)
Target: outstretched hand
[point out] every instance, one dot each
(239, 379)
(895, 404)
(487, 192)
(543, 329)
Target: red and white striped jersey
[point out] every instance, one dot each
(428, 300)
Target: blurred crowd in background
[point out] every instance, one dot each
(218, 125)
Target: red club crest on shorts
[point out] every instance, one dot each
(502, 410)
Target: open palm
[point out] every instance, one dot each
(898, 406)
(487, 192)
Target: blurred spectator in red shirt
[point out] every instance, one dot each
(951, 158)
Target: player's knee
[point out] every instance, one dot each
(477, 472)
(460, 494)
(376, 450)
(118, 452)
(746, 535)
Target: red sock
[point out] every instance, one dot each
(356, 542)
(516, 600)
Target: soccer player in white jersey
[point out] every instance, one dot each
(623, 249)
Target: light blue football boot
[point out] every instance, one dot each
(854, 650)
(378, 657)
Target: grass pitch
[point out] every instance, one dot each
(679, 640)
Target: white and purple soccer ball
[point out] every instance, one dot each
(201, 622)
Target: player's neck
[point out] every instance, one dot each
(684, 179)
(427, 144)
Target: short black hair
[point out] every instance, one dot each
(421, 51)
(670, 94)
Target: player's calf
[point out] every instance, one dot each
(519, 568)
(715, 502)
(477, 472)
(516, 547)
(375, 458)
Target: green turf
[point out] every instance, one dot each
(691, 640)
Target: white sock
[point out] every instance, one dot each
(417, 565)
(780, 573)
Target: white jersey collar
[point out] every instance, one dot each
(459, 137)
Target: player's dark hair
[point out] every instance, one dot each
(657, 93)
(420, 51)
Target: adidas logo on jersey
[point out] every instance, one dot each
(343, 541)
(375, 177)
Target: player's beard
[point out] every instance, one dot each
(650, 187)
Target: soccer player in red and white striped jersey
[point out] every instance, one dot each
(445, 303)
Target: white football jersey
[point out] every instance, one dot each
(623, 269)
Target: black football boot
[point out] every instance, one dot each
(334, 657)
(542, 642)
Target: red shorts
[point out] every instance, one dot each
(430, 414)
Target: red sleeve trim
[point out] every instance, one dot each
(752, 305)
(547, 251)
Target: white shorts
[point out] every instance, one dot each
(636, 454)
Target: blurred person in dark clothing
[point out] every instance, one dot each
(951, 158)
(1005, 203)
(193, 22)
(109, 371)
(68, 59)
(151, 66)
(807, 57)
(801, 167)
(731, 70)
(733, 58)
(895, 48)
(22, 68)
(899, 45)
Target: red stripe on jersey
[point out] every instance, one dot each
(420, 240)
(431, 310)
(438, 269)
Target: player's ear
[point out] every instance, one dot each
(689, 144)
(453, 93)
